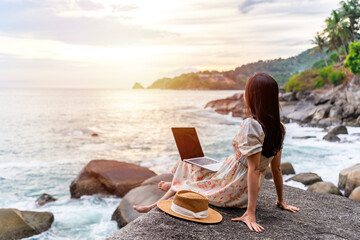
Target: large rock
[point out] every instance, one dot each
(349, 178)
(286, 169)
(147, 193)
(339, 130)
(321, 216)
(306, 178)
(16, 224)
(108, 177)
(324, 187)
(355, 194)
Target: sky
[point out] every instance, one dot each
(115, 43)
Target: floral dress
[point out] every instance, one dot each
(228, 186)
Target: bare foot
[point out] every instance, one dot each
(165, 186)
(143, 209)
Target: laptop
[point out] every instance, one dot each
(190, 149)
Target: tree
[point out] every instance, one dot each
(351, 10)
(353, 59)
(320, 42)
(338, 27)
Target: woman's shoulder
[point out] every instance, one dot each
(252, 125)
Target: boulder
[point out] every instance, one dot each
(339, 130)
(322, 112)
(286, 169)
(108, 177)
(16, 224)
(324, 187)
(288, 97)
(321, 216)
(44, 199)
(355, 194)
(330, 137)
(349, 178)
(335, 113)
(147, 193)
(303, 112)
(306, 178)
(302, 95)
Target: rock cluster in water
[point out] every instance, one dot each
(322, 107)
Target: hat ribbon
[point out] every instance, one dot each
(187, 213)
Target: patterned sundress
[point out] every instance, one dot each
(228, 186)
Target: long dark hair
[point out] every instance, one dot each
(262, 103)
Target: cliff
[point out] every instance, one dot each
(321, 216)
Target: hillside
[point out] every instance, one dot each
(280, 69)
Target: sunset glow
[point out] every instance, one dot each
(104, 44)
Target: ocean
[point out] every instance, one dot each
(46, 140)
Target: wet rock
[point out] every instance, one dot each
(339, 130)
(303, 137)
(321, 216)
(108, 177)
(355, 194)
(330, 137)
(286, 169)
(16, 224)
(348, 111)
(44, 199)
(349, 179)
(306, 178)
(303, 112)
(324, 187)
(147, 193)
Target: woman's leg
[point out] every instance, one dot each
(145, 209)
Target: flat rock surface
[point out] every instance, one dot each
(321, 216)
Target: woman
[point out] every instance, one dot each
(258, 143)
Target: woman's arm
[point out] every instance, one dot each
(253, 191)
(278, 181)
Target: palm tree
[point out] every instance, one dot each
(339, 27)
(333, 45)
(320, 42)
(351, 9)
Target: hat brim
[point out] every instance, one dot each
(214, 216)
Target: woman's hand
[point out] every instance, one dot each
(249, 219)
(284, 206)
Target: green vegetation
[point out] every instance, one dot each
(280, 69)
(341, 28)
(353, 59)
(315, 78)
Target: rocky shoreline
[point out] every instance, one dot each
(322, 107)
(138, 185)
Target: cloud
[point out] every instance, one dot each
(37, 21)
(248, 5)
(123, 8)
(89, 5)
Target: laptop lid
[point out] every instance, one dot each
(187, 143)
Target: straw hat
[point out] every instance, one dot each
(190, 206)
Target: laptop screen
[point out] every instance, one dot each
(187, 143)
